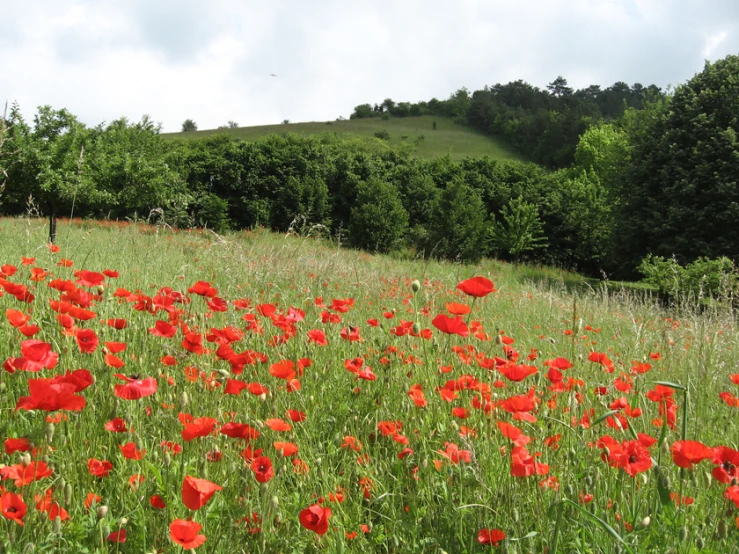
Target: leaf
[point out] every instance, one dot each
(671, 385)
(607, 528)
(529, 535)
(604, 417)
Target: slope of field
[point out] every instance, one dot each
(448, 138)
(256, 392)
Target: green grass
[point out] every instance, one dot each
(424, 502)
(448, 138)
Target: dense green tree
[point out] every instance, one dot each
(518, 230)
(378, 220)
(458, 229)
(189, 125)
(680, 194)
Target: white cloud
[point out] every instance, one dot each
(180, 59)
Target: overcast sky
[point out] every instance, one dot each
(212, 61)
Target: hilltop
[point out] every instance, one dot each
(449, 138)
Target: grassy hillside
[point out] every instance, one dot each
(448, 138)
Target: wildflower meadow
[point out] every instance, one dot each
(163, 391)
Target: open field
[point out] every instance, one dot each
(449, 138)
(277, 394)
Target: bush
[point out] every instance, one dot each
(703, 277)
(383, 134)
(458, 229)
(378, 220)
(211, 212)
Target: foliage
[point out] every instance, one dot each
(189, 125)
(679, 194)
(703, 277)
(518, 230)
(458, 229)
(378, 220)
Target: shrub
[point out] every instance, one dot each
(703, 277)
(378, 220)
(458, 228)
(383, 134)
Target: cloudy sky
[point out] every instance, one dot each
(212, 61)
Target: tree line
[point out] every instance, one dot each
(660, 180)
(542, 124)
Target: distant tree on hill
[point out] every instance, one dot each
(559, 87)
(189, 125)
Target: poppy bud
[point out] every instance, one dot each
(683, 534)
(645, 522)
(101, 289)
(167, 459)
(29, 549)
(570, 489)
(498, 340)
(26, 459)
(578, 325)
(415, 286)
(275, 502)
(515, 515)
(106, 529)
(56, 526)
(721, 531)
(123, 522)
(589, 481)
(101, 511)
(184, 399)
(67, 494)
(552, 340)
(3, 386)
(263, 397)
(49, 432)
(709, 479)
(416, 328)
(700, 543)
(224, 374)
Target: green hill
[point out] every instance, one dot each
(448, 138)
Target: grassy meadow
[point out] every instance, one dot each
(255, 392)
(448, 138)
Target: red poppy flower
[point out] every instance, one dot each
(513, 433)
(185, 533)
(351, 334)
(203, 288)
(16, 317)
(262, 468)
(17, 445)
(317, 336)
(315, 518)
(490, 536)
(296, 416)
(454, 454)
(477, 287)
(91, 499)
(35, 356)
(13, 507)
(687, 453)
(51, 395)
(198, 427)
(117, 323)
(286, 448)
(193, 342)
(455, 308)
(450, 325)
(87, 340)
(524, 464)
(239, 431)
(157, 502)
(726, 461)
(99, 468)
(517, 372)
(284, 369)
(89, 279)
(163, 329)
(131, 452)
(134, 387)
(276, 424)
(117, 536)
(196, 492)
